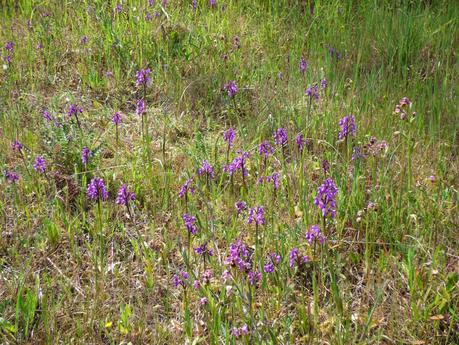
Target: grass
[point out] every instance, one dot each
(76, 270)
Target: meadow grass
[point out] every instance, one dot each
(140, 240)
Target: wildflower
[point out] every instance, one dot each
(357, 153)
(280, 75)
(265, 149)
(194, 4)
(314, 233)
(300, 142)
(84, 40)
(151, 3)
(85, 153)
(203, 250)
(190, 225)
(180, 279)
(325, 198)
(47, 115)
(323, 84)
(9, 46)
(16, 146)
(140, 107)
(296, 258)
(11, 176)
(347, 127)
(303, 65)
(238, 256)
(238, 332)
(206, 169)
(238, 163)
(185, 188)
(272, 260)
(97, 190)
(280, 137)
(40, 164)
(229, 137)
(207, 276)
(312, 91)
(225, 276)
(401, 108)
(118, 8)
(275, 179)
(74, 110)
(212, 3)
(148, 17)
(335, 53)
(203, 301)
(257, 215)
(196, 285)
(116, 119)
(254, 277)
(143, 77)
(124, 196)
(231, 88)
(240, 207)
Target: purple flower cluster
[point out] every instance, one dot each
(402, 107)
(190, 223)
(254, 277)
(203, 250)
(124, 196)
(240, 331)
(312, 92)
(85, 154)
(240, 207)
(280, 136)
(47, 115)
(274, 178)
(16, 146)
(40, 164)
(9, 47)
(239, 256)
(238, 163)
(323, 84)
(97, 190)
(229, 137)
(206, 169)
(300, 142)
(272, 260)
(303, 65)
(186, 187)
(357, 153)
(180, 279)
(314, 234)
(325, 198)
(116, 119)
(11, 176)
(143, 77)
(231, 88)
(295, 258)
(265, 149)
(257, 215)
(74, 110)
(347, 127)
(140, 107)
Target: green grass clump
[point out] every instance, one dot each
(77, 266)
